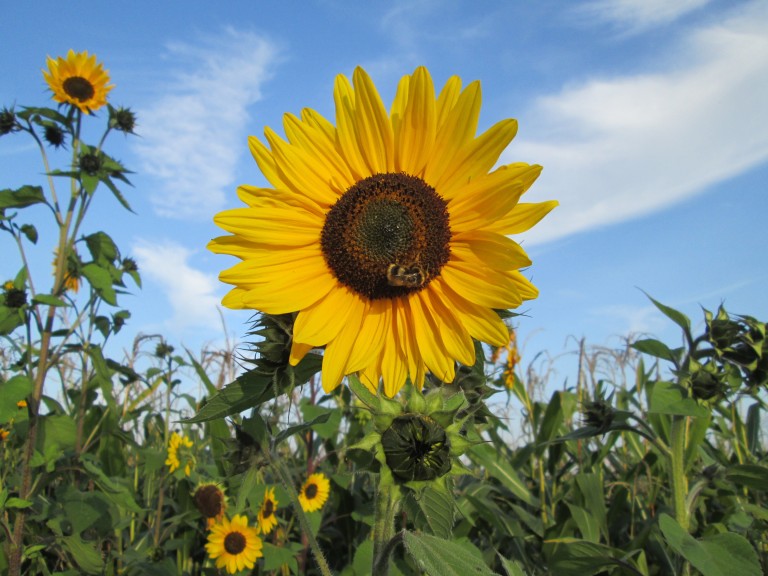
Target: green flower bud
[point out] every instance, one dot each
(54, 135)
(90, 164)
(598, 414)
(7, 121)
(416, 448)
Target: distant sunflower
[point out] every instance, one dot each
(234, 545)
(4, 434)
(386, 233)
(315, 492)
(79, 80)
(179, 453)
(266, 518)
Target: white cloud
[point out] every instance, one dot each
(194, 134)
(637, 15)
(617, 148)
(190, 292)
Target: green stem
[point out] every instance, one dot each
(677, 461)
(287, 482)
(387, 504)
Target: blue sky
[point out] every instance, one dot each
(648, 116)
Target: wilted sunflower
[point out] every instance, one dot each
(386, 233)
(234, 545)
(315, 492)
(266, 518)
(79, 80)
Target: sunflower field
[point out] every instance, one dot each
(380, 419)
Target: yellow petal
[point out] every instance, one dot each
(477, 157)
(415, 137)
(338, 350)
(282, 297)
(485, 286)
(374, 131)
(344, 97)
(282, 226)
(523, 217)
(298, 351)
(456, 131)
(489, 249)
(322, 322)
(373, 334)
(480, 321)
(455, 337)
(429, 342)
(265, 161)
(447, 99)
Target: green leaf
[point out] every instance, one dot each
(12, 391)
(511, 567)
(101, 281)
(276, 556)
(439, 557)
(585, 522)
(102, 248)
(437, 504)
(670, 398)
(14, 502)
(723, 554)
(21, 197)
(117, 194)
(48, 300)
(363, 559)
(655, 348)
(574, 557)
(88, 559)
(326, 429)
(30, 232)
(288, 432)
(498, 467)
(676, 316)
(753, 476)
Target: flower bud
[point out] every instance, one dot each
(416, 448)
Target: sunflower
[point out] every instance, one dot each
(210, 500)
(177, 444)
(234, 545)
(315, 492)
(4, 434)
(266, 518)
(79, 80)
(387, 233)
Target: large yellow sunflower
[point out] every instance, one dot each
(314, 493)
(79, 80)
(387, 233)
(234, 545)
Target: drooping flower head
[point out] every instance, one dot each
(266, 518)
(314, 493)
(210, 500)
(234, 545)
(79, 80)
(387, 232)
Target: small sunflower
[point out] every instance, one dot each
(315, 492)
(210, 500)
(234, 545)
(387, 233)
(4, 434)
(78, 80)
(176, 445)
(266, 518)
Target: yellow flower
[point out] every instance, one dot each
(4, 434)
(266, 518)
(71, 274)
(79, 80)
(386, 233)
(21, 404)
(177, 444)
(8, 285)
(234, 545)
(315, 492)
(513, 359)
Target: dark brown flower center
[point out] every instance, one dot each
(310, 491)
(267, 509)
(234, 543)
(79, 88)
(209, 500)
(387, 236)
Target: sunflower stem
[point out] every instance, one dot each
(387, 504)
(285, 479)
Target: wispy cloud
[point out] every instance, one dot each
(193, 134)
(190, 292)
(617, 148)
(636, 15)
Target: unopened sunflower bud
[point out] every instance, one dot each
(416, 448)
(122, 119)
(210, 501)
(15, 298)
(90, 164)
(54, 135)
(706, 384)
(7, 121)
(598, 414)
